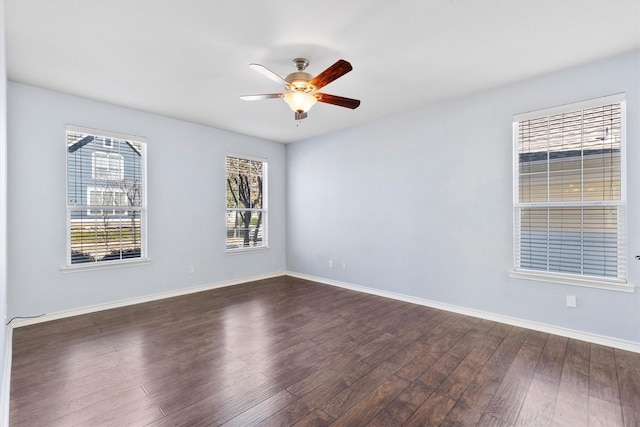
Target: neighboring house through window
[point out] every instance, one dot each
(246, 216)
(106, 197)
(570, 194)
(107, 166)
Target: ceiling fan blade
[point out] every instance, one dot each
(338, 100)
(269, 74)
(339, 69)
(262, 96)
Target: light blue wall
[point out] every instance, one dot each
(186, 205)
(421, 203)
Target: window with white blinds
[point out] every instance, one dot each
(570, 192)
(106, 197)
(246, 215)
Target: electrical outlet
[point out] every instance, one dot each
(344, 265)
(330, 263)
(571, 301)
(192, 269)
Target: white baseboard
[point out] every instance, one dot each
(551, 329)
(123, 303)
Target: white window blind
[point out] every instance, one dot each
(106, 197)
(570, 191)
(246, 216)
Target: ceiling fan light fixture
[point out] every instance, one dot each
(299, 101)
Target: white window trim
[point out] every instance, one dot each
(265, 204)
(574, 280)
(104, 265)
(612, 284)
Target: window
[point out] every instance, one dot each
(106, 197)
(569, 195)
(246, 203)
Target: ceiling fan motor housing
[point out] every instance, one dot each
(299, 81)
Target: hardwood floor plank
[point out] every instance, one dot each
(315, 419)
(223, 406)
(323, 356)
(464, 374)
(319, 392)
(345, 329)
(261, 411)
(398, 411)
(60, 389)
(471, 405)
(410, 314)
(438, 341)
(510, 395)
(539, 403)
(603, 413)
(628, 370)
(572, 401)
(346, 366)
(362, 412)
(172, 399)
(501, 330)
(442, 375)
(117, 411)
(374, 346)
(603, 378)
(55, 406)
(432, 412)
(343, 401)
(189, 376)
(413, 354)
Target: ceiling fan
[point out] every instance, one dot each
(302, 88)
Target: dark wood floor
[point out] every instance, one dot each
(285, 351)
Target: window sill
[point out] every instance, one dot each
(245, 250)
(103, 265)
(569, 279)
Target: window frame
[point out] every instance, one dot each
(264, 210)
(617, 283)
(106, 184)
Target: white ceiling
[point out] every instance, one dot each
(188, 59)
